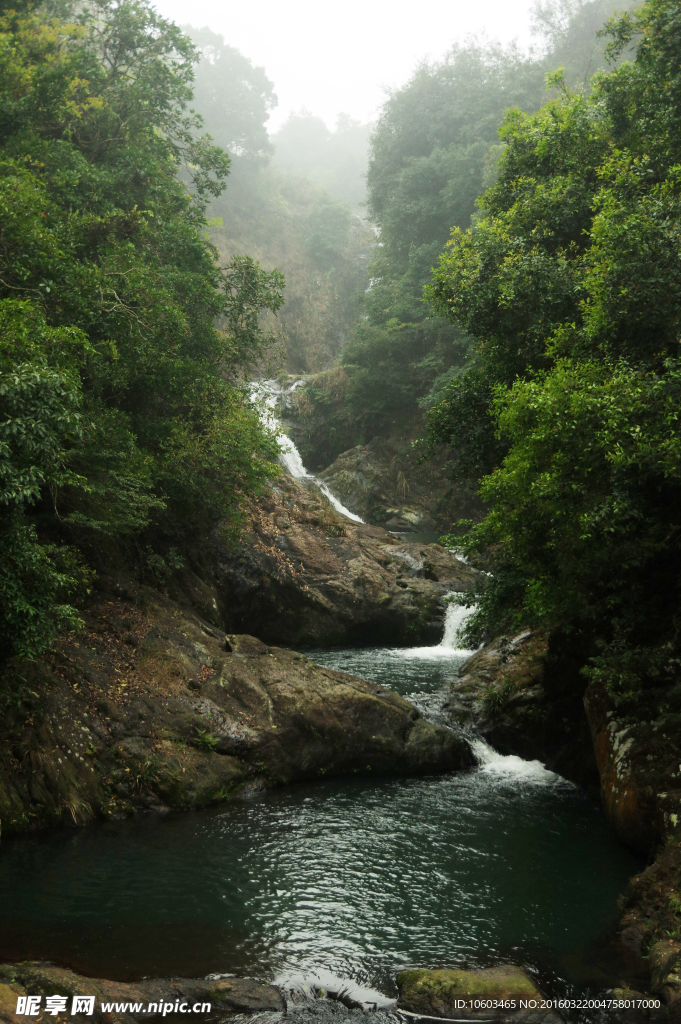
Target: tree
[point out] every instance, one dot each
(570, 282)
(134, 423)
(233, 97)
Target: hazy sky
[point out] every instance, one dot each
(340, 57)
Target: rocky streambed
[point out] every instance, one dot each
(167, 701)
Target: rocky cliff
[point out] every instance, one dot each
(152, 707)
(303, 575)
(517, 694)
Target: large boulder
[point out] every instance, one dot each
(305, 575)
(150, 706)
(516, 694)
(638, 763)
(384, 482)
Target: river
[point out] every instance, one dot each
(336, 885)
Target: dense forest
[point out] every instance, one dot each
(433, 151)
(123, 423)
(569, 283)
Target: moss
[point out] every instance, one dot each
(424, 990)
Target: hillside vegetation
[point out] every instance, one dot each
(123, 427)
(293, 202)
(569, 282)
(434, 149)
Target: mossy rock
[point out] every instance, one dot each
(435, 993)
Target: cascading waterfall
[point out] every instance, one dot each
(450, 646)
(267, 393)
(456, 617)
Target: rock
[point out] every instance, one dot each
(191, 716)
(455, 993)
(635, 741)
(225, 995)
(514, 694)
(384, 482)
(307, 576)
(639, 765)
(665, 970)
(652, 903)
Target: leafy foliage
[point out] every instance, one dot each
(570, 283)
(121, 412)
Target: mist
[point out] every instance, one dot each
(332, 59)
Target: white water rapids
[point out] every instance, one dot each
(266, 393)
(451, 644)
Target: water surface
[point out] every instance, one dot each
(348, 879)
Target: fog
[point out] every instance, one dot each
(330, 58)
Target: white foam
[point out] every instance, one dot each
(449, 647)
(317, 983)
(267, 393)
(511, 767)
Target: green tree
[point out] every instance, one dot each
(134, 419)
(570, 283)
(233, 98)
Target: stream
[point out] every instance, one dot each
(337, 885)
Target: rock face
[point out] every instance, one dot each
(665, 970)
(225, 996)
(383, 482)
(652, 903)
(493, 993)
(307, 576)
(639, 763)
(152, 707)
(512, 693)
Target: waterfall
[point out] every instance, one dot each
(455, 619)
(267, 393)
(512, 768)
(449, 647)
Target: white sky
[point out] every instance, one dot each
(341, 57)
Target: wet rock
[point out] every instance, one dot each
(639, 762)
(492, 993)
(514, 694)
(225, 995)
(156, 741)
(324, 580)
(652, 903)
(665, 970)
(384, 482)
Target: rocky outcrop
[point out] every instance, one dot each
(636, 740)
(516, 694)
(652, 903)
(503, 993)
(224, 996)
(384, 482)
(303, 575)
(151, 707)
(639, 761)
